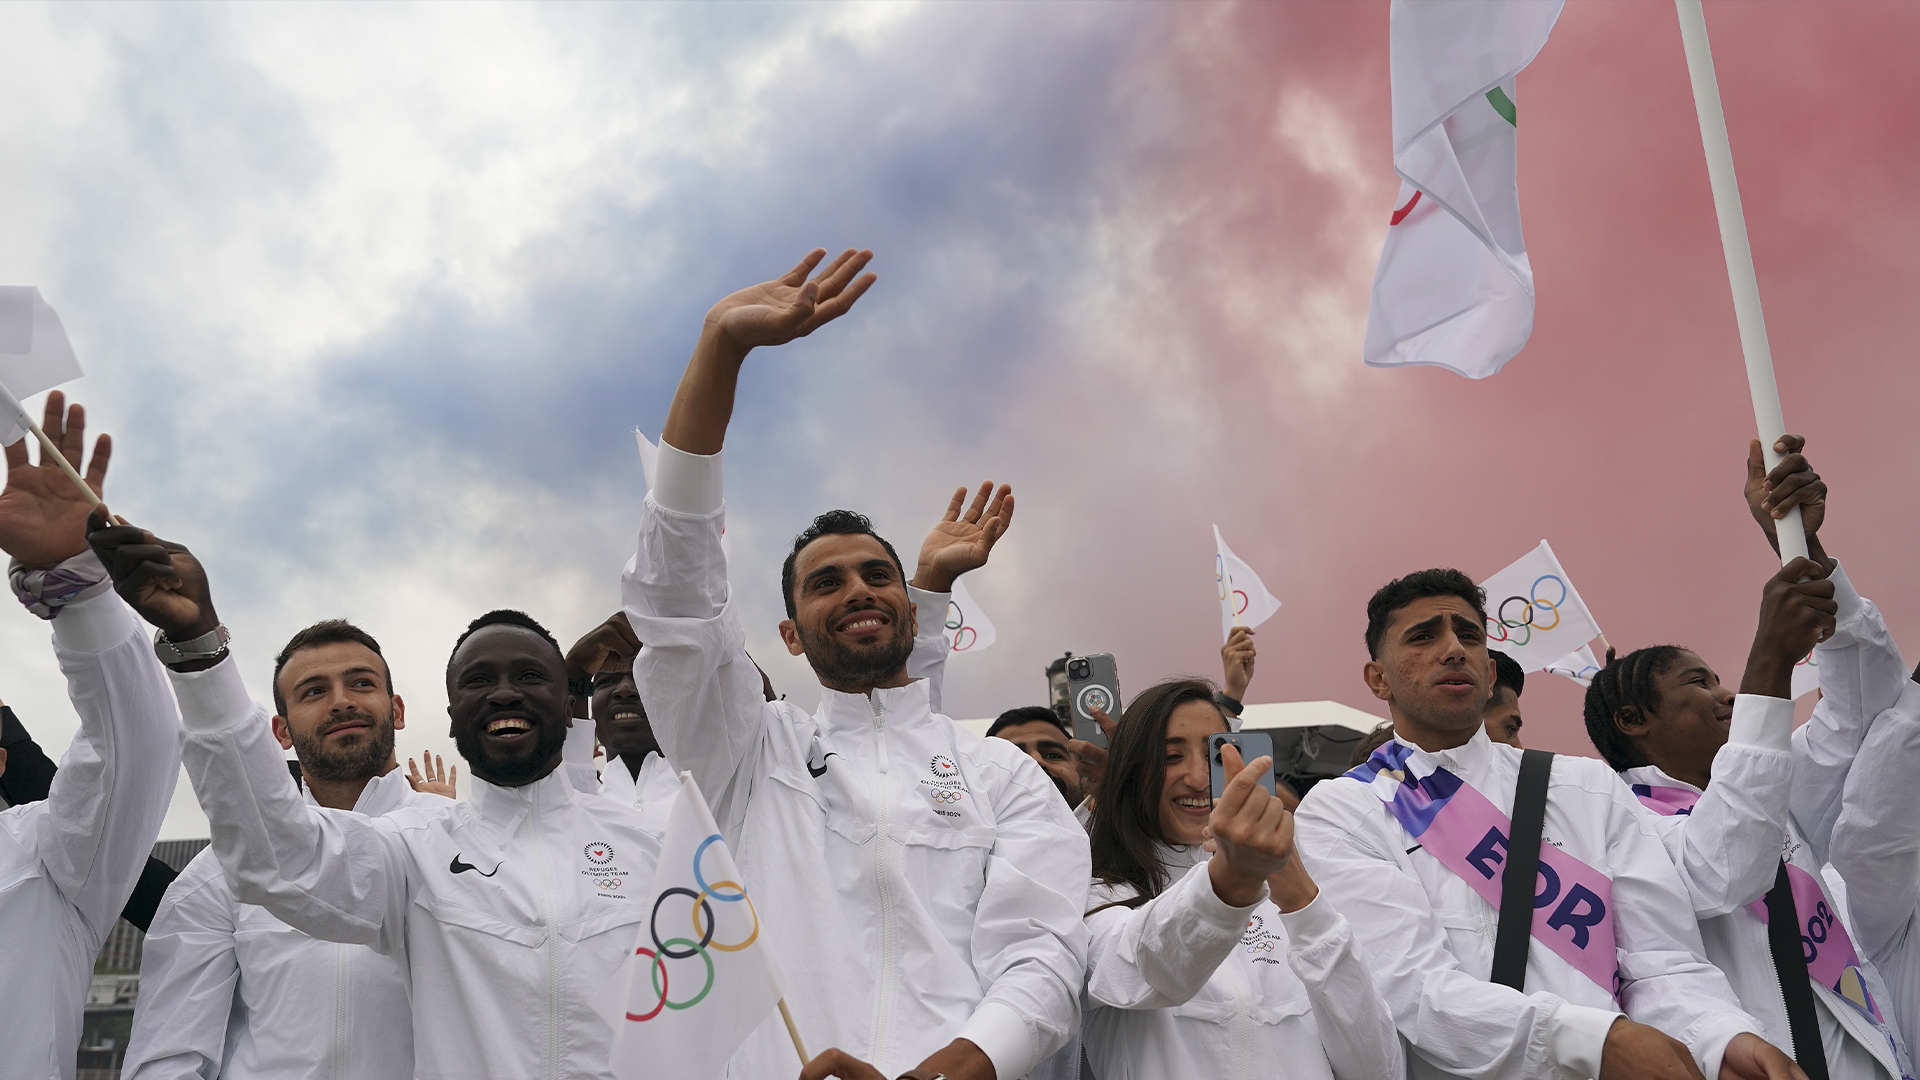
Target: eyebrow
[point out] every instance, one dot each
(364, 669)
(1431, 622)
(836, 568)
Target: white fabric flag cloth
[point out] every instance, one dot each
(1534, 614)
(34, 356)
(1243, 599)
(967, 627)
(1453, 287)
(1580, 666)
(700, 978)
(1806, 675)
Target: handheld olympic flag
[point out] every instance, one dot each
(968, 630)
(1534, 614)
(1580, 666)
(1453, 287)
(35, 355)
(700, 978)
(1767, 416)
(1244, 601)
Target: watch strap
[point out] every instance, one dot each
(205, 647)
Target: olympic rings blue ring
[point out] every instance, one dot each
(701, 879)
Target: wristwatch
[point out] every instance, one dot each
(211, 644)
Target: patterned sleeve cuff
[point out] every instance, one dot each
(46, 592)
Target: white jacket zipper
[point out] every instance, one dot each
(343, 960)
(885, 985)
(553, 948)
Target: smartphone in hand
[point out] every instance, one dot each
(1252, 744)
(1093, 682)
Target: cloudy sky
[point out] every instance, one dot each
(373, 297)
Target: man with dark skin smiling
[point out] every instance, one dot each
(927, 886)
(636, 773)
(512, 909)
(1430, 932)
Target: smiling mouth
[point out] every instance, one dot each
(1194, 804)
(507, 727)
(864, 622)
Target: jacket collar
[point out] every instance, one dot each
(505, 806)
(1651, 775)
(617, 781)
(1468, 761)
(384, 794)
(857, 712)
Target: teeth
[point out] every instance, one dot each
(626, 716)
(508, 725)
(1195, 804)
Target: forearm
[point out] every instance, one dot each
(703, 404)
(1160, 954)
(1727, 848)
(928, 660)
(1356, 1028)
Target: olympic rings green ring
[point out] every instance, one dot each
(660, 982)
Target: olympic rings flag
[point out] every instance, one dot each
(1244, 601)
(700, 977)
(1534, 614)
(1580, 666)
(967, 630)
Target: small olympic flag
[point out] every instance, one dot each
(1244, 600)
(700, 978)
(968, 630)
(1534, 614)
(1580, 666)
(34, 356)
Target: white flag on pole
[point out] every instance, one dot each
(1534, 614)
(1806, 675)
(967, 627)
(34, 356)
(701, 977)
(1453, 287)
(1243, 599)
(1580, 666)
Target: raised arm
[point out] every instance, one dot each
(104, 806)
(336, 876)
(961, 541)
(1876, 837)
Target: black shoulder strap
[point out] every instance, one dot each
(1510, 941)
(1796, 989)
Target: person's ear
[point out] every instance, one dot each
(1630, 721)
(399, 713)
(913, 618)
(790, 634)
(1376, 680)
(283, 732)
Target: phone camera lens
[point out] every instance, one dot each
(1079, 669)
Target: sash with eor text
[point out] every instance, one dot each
(1467, 833)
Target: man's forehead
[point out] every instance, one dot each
(1426, 607)
(332, 658)
(1039, 730)
(504, 643)
(844, 549)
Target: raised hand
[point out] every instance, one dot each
(1770, 494)
(1797, 611)
(43, 517)
(775, 312)
(437, 780)
(1237, 657)
(1749, 1057)
(834, 1061)
(961, 541)
(1252, 837)
(1092, 758)
(160, 580)
(610, 643)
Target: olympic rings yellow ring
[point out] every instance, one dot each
(737, 946)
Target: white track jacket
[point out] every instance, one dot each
(511, 910)
(229, 991)
(1430, 936)
(69, 862)
(652, 794)
(922, 883)
(1876, 848)
(1185, 986)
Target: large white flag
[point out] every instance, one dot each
(34, 356)
(1534, 614)
(967, 627)
(1244, 601)
(701, 977)
(1454, 287)
(1580, 666)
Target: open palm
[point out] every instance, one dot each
(775, 312)
(43, 517)
(963, 539)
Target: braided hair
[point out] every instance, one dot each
(1628, 682)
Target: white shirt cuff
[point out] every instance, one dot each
(1000, 1032)
(1851, 606)
(1312, 923)
(1577, 1035)
(687, 483)
(1764, 722)
(213, 700)
(1206, 905)
(95, 624)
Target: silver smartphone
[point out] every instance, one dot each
(1093, 682)
(1252, 744)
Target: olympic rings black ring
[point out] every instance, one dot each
(653, 925)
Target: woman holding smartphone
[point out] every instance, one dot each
(1211, 954)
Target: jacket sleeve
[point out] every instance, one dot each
(1356, 1028)
(333, 875)
(1468, 1027)
(106, 803)
(703, 694)
(1029, 929)
(929, 657)
(189, 975)
(1876, 839)
(1728, 848)
(1861, 676)
(1160, 954)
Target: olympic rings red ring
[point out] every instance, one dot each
(660, 968)
(1241, 607)
(707, 934)
(967, 634)
(660, 978)
(653, 925)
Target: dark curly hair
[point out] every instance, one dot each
(1628, 682)
(1400, 592)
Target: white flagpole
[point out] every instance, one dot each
(1733, 240)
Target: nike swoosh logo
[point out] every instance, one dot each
(459, 867)
(822, 770)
